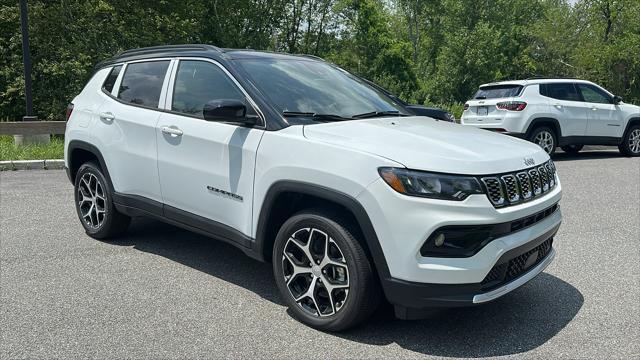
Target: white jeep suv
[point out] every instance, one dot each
(300, 163)
(556, 112)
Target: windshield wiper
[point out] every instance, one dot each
(373, 114)
(315, 116)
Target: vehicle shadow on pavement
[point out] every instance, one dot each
(516, 323)
(587, 155)
(201, 253)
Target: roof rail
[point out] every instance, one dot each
(161, 48)
(551, 77)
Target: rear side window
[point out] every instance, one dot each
(497, 91)
(111, 79)
(560, 91)
(197, 83)
(142, 83)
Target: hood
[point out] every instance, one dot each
(423, 143)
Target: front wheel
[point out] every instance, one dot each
(323, 272)
(94, 204)
(545, 138)
(572, 149)
(631, 142)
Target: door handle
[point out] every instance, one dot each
(558, 106)
(594, 109)
(173, 131)
(107, 116)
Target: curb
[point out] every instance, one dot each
(51, 164)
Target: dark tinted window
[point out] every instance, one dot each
(197, 83)
(111, 79)
(560, 91)
(142, 83)
(315, 87)
(497, 91)
(592, 94)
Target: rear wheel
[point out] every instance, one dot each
(631, 142)
(545, 138)
(572, 149)
(94, 204)
(323, 273)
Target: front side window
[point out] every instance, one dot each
(560, 91)
(111, 78)
(199, 82)
(592, 94)
(142, 83)
(314, 87)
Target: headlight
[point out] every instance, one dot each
(431, 185)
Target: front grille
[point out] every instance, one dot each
(513, 188)
(516, 267)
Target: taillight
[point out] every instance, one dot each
(466, 107)
(69, 111)
(512, 105)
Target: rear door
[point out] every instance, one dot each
(128, 122)
(482, 108)
(206, 168)
(604, 117)
(567, 107)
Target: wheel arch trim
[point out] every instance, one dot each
(83, 145)
(328, 194)
(541, 121)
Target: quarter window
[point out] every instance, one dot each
(592, 94)
(197, 83)
(142, 83)
(111, 78)
(560, 91)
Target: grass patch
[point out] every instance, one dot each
(9, 151)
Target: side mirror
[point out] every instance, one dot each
(617, 99)
(226, 110)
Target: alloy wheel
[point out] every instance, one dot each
(91, 201)
(634, 141)
(315, 272)
(544, 139)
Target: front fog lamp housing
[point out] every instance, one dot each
(430, 185)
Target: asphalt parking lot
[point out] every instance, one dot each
(162, 292)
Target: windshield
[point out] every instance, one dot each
(313, 87)
(498, 91)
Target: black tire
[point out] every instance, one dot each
(544, 137)
(364, 293)
(109, 222)
(629, 146)
(572, 149)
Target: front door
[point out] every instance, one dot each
(206, 168)
(605, 120)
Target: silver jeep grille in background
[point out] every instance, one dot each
(514, 188)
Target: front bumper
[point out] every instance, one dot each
(412, 298)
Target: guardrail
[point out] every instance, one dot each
(32, 127)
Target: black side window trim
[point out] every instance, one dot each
(261, 126)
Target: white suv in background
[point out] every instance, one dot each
(297, 162)
(556, 112)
